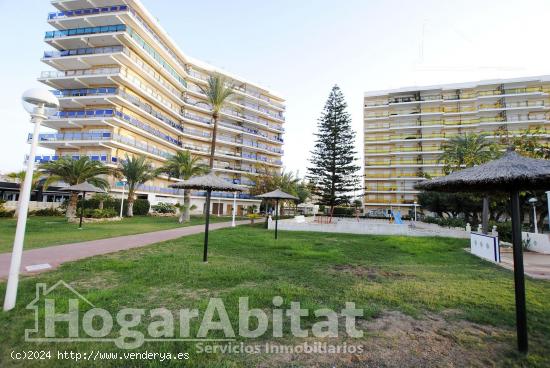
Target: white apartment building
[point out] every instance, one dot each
(405, 128)
(125, 87)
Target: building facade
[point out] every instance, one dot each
(125, 88)
(405, 128)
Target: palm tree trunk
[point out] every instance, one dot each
(71, 208)
(130, 201)
(186, 216)
(214, 136)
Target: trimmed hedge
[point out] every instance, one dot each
(141, 206)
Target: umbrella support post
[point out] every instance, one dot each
(485, 215)
(276, 217)
(207, 224)
(519, 277)
(82, 210)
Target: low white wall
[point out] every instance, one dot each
(539, 243)
(33, 205)
(372, 227)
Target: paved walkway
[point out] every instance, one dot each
(536, 265)
(58, 254)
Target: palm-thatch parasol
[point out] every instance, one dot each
(510, 173)
(277, 195)
(209, 182)
(83, 188)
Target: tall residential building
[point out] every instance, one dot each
(126, 88)
(405, 128)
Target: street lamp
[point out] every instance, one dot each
(415, 204)
(123, 181)
(234, 209)
(533, 201)
(39, 103)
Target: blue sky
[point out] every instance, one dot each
(302, 48)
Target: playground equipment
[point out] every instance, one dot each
(397, 217)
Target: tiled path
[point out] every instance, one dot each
(58, 254)
(536, 265)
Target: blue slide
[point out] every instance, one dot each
(397, 217)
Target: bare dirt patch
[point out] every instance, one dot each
(397, 340)
(370, 273)
(103, 280)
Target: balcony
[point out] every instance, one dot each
(85, 31)
(107, 159)
(132, 100)
(83, 51)
(156, 189)
(223, 195)
(100, 137)
(78, 73)
(89, 11)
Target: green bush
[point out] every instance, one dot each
(504, 230)
(346, 211)
(164, 208)
(97, 213)
(141, 206)
(4, 212)
(47, 212)
(445, 221)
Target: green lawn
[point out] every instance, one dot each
(432, 280)
(46, 231)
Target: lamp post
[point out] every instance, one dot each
(123, 181)
(548, 202)
(36, 102)
(234, 209)
(533, 202)
(415, 204)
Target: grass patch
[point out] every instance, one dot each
(46, 231)
(428, 288)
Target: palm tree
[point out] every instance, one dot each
(137, 170)
(20, 177)
(183, 165)
(217, 92)
(268, 179)
(466, 151)
(74, 172)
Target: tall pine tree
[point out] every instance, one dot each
(333, 161)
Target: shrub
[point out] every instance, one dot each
(47, 212)
(4, 212)
(141, 207)
(445, 221)
(346, 211)
(164, 208)
(97, 213)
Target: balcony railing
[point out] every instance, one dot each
(85, 92)
(102, 136)
(102, 158)
(223, 195)
(88, 11)
(79, 72)
(85, 31)
(156, 189)
(83, 51)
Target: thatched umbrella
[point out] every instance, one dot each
(83, 188)
(277, 195)
(209, 182)
(511, 173)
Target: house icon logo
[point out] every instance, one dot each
(45, 300)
